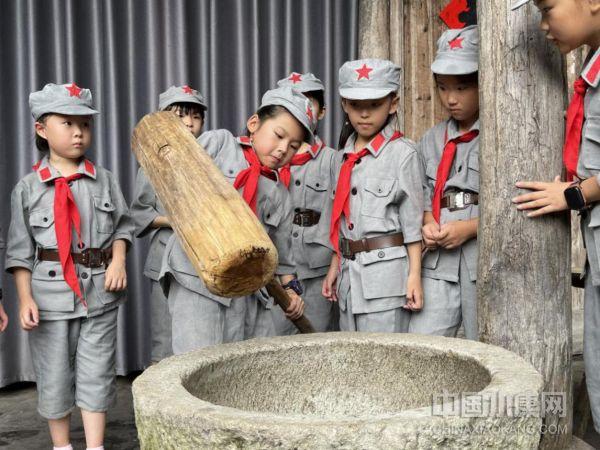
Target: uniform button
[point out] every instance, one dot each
(297, 182)
(354, 191)
(459, 168)
(84, 275)
(106, 205)
(45, 219)
(334, 192)
(268, 216)
(358, 161)
(379, 190)
(351, 226)
(81, 246)
(317, 185)
(295, 235)
(52, 273)
(230, 171)
(381, 254)
(297, 210)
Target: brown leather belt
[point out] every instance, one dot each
(349, 248)
(90, 257)
(306, 217)
(459, 200)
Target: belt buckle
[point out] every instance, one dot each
(345, 248)
(92, 258)
(458, 201)
(305, 219)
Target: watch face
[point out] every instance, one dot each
(574, 198)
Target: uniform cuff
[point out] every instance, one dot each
(415, 237)
(143, 227)
(284, 269)
(15, 263)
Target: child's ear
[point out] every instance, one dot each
(253, 123)
(344, 105)
(322, 113)
(594, 6)
(40, 129)
(394, 105)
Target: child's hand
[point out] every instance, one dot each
(115, 278)
(546, 198)
(29, 314)
(431, 232)
(3, 319)
(296, 308)
(414, 293)
(453, 234)
(329, 283)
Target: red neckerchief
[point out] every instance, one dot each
(444, 168)
(573, 128)
(285, 174)
(248, 178)
(341, 202)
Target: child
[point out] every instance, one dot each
(307, 178)
(377, 209)
(150, 217)
(571, 24)
(67, 240)
(275, 132)
(450, 153)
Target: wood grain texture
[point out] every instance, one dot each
(524, 294)
(220, 234)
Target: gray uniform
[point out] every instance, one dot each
(146, 207)
(449, 276)
(73, 346)
(386, 197)
(589, 166)
(311, 188)
(200, 318)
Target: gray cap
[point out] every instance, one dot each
(302, 82)
(364, 79)
(180, 94)
(297, 104)
(68, 99)
(458, 52)
(518, 4)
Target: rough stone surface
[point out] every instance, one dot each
(335, 391)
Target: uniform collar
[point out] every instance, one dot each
(452, 129)
(591, 71)
(376, 145)
(316, 147)
(46, 172)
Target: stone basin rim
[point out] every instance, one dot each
(510, 374)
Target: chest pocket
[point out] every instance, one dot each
(378, 194)
(104, 208)
(316, 191)
(590, 146)
(41, 222)
(270, 214)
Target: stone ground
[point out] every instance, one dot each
(21, 428)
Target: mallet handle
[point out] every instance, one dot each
(281, 298)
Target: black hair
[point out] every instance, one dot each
(40, 142)
(319, 96)
(187, 108)
(270, 112)
(469, 78)
(348, 129)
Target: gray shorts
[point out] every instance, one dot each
(160, 320)
(74, 364)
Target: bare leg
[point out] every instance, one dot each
(94, 424)
(59, 431)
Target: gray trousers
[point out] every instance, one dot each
(591, 346)
(258, 319)
(446, 304)
(391, 321)
(74, 364)
(160, 322)
(198, 321)
(318, 310)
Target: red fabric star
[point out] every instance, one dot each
(295, 78)
(74, 90)
(451, 13)
(363, 72)
(456, 43)
(188, 90)
(309, 113)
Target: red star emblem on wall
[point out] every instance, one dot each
(188, 90)
(295, 78)
(456, 43)
(309, 113)
(74, 90)
(363, 72)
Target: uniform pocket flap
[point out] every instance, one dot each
(378, 187)
(474, 161)
(271, 214)
(41, 218)
(431, 171)
(382, 254)
(317, 183)
(104, 204)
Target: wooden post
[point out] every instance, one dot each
(524, 264)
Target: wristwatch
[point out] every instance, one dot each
(294, 285)
(574, 197)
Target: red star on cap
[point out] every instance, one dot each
(456, 43)
(295, 78)
(188, 90)
(309, 113)
(74, 90)
(363, 72)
